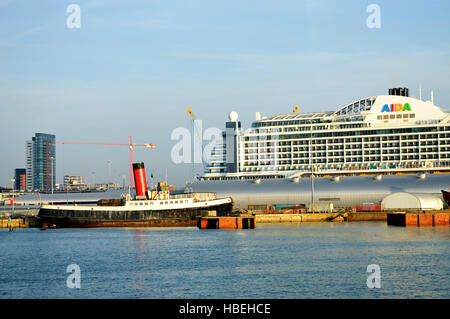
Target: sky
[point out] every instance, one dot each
(133, 67)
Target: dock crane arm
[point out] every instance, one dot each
(130, 145)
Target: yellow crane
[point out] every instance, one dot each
(190, 114)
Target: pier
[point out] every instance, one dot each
(419, 219)
(214, 222)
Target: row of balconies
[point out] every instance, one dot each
(351, 147)
(354, 145)
(346, 146)
(391, 161)
(352, 157)
(327, 142)
(331, 139)
(349, 153)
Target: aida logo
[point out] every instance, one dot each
(396, 108)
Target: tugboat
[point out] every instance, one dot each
(446, 196)
(157, 207)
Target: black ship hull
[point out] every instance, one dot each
(61, 218)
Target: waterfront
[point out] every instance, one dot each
(305, 260)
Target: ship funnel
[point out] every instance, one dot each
(140, 180)
(399, 91)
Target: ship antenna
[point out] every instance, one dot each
(420, 92)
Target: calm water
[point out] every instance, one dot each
(309, 260)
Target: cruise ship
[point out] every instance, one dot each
(378, 135)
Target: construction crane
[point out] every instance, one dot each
(195, 128)
(130, 145)
(190, 114)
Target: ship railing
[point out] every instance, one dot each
(181, 195)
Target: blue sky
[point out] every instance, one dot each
(135, 66)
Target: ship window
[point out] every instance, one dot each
(379, 117)
(405, 115)
(161, 203)
(385, 117)
(412, 115)
(399, 116)
(392, 116)
(171, 201)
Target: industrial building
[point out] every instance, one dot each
(74, 182)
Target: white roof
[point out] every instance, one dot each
(406, 201)
(369, 108)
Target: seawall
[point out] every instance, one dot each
(25, 222)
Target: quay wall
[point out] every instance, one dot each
(25, 222)
(320, 217)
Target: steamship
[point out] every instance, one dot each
(149, 208)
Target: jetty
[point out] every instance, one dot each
(419, 218)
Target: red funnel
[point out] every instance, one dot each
(140, 180)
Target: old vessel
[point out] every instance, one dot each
(149, 208)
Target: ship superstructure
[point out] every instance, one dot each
(384, 134)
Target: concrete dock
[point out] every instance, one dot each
(25, 222)
(320, 217)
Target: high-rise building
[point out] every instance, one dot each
(29, 164)
(40, 162)
(20, 179)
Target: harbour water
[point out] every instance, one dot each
(306, 260)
